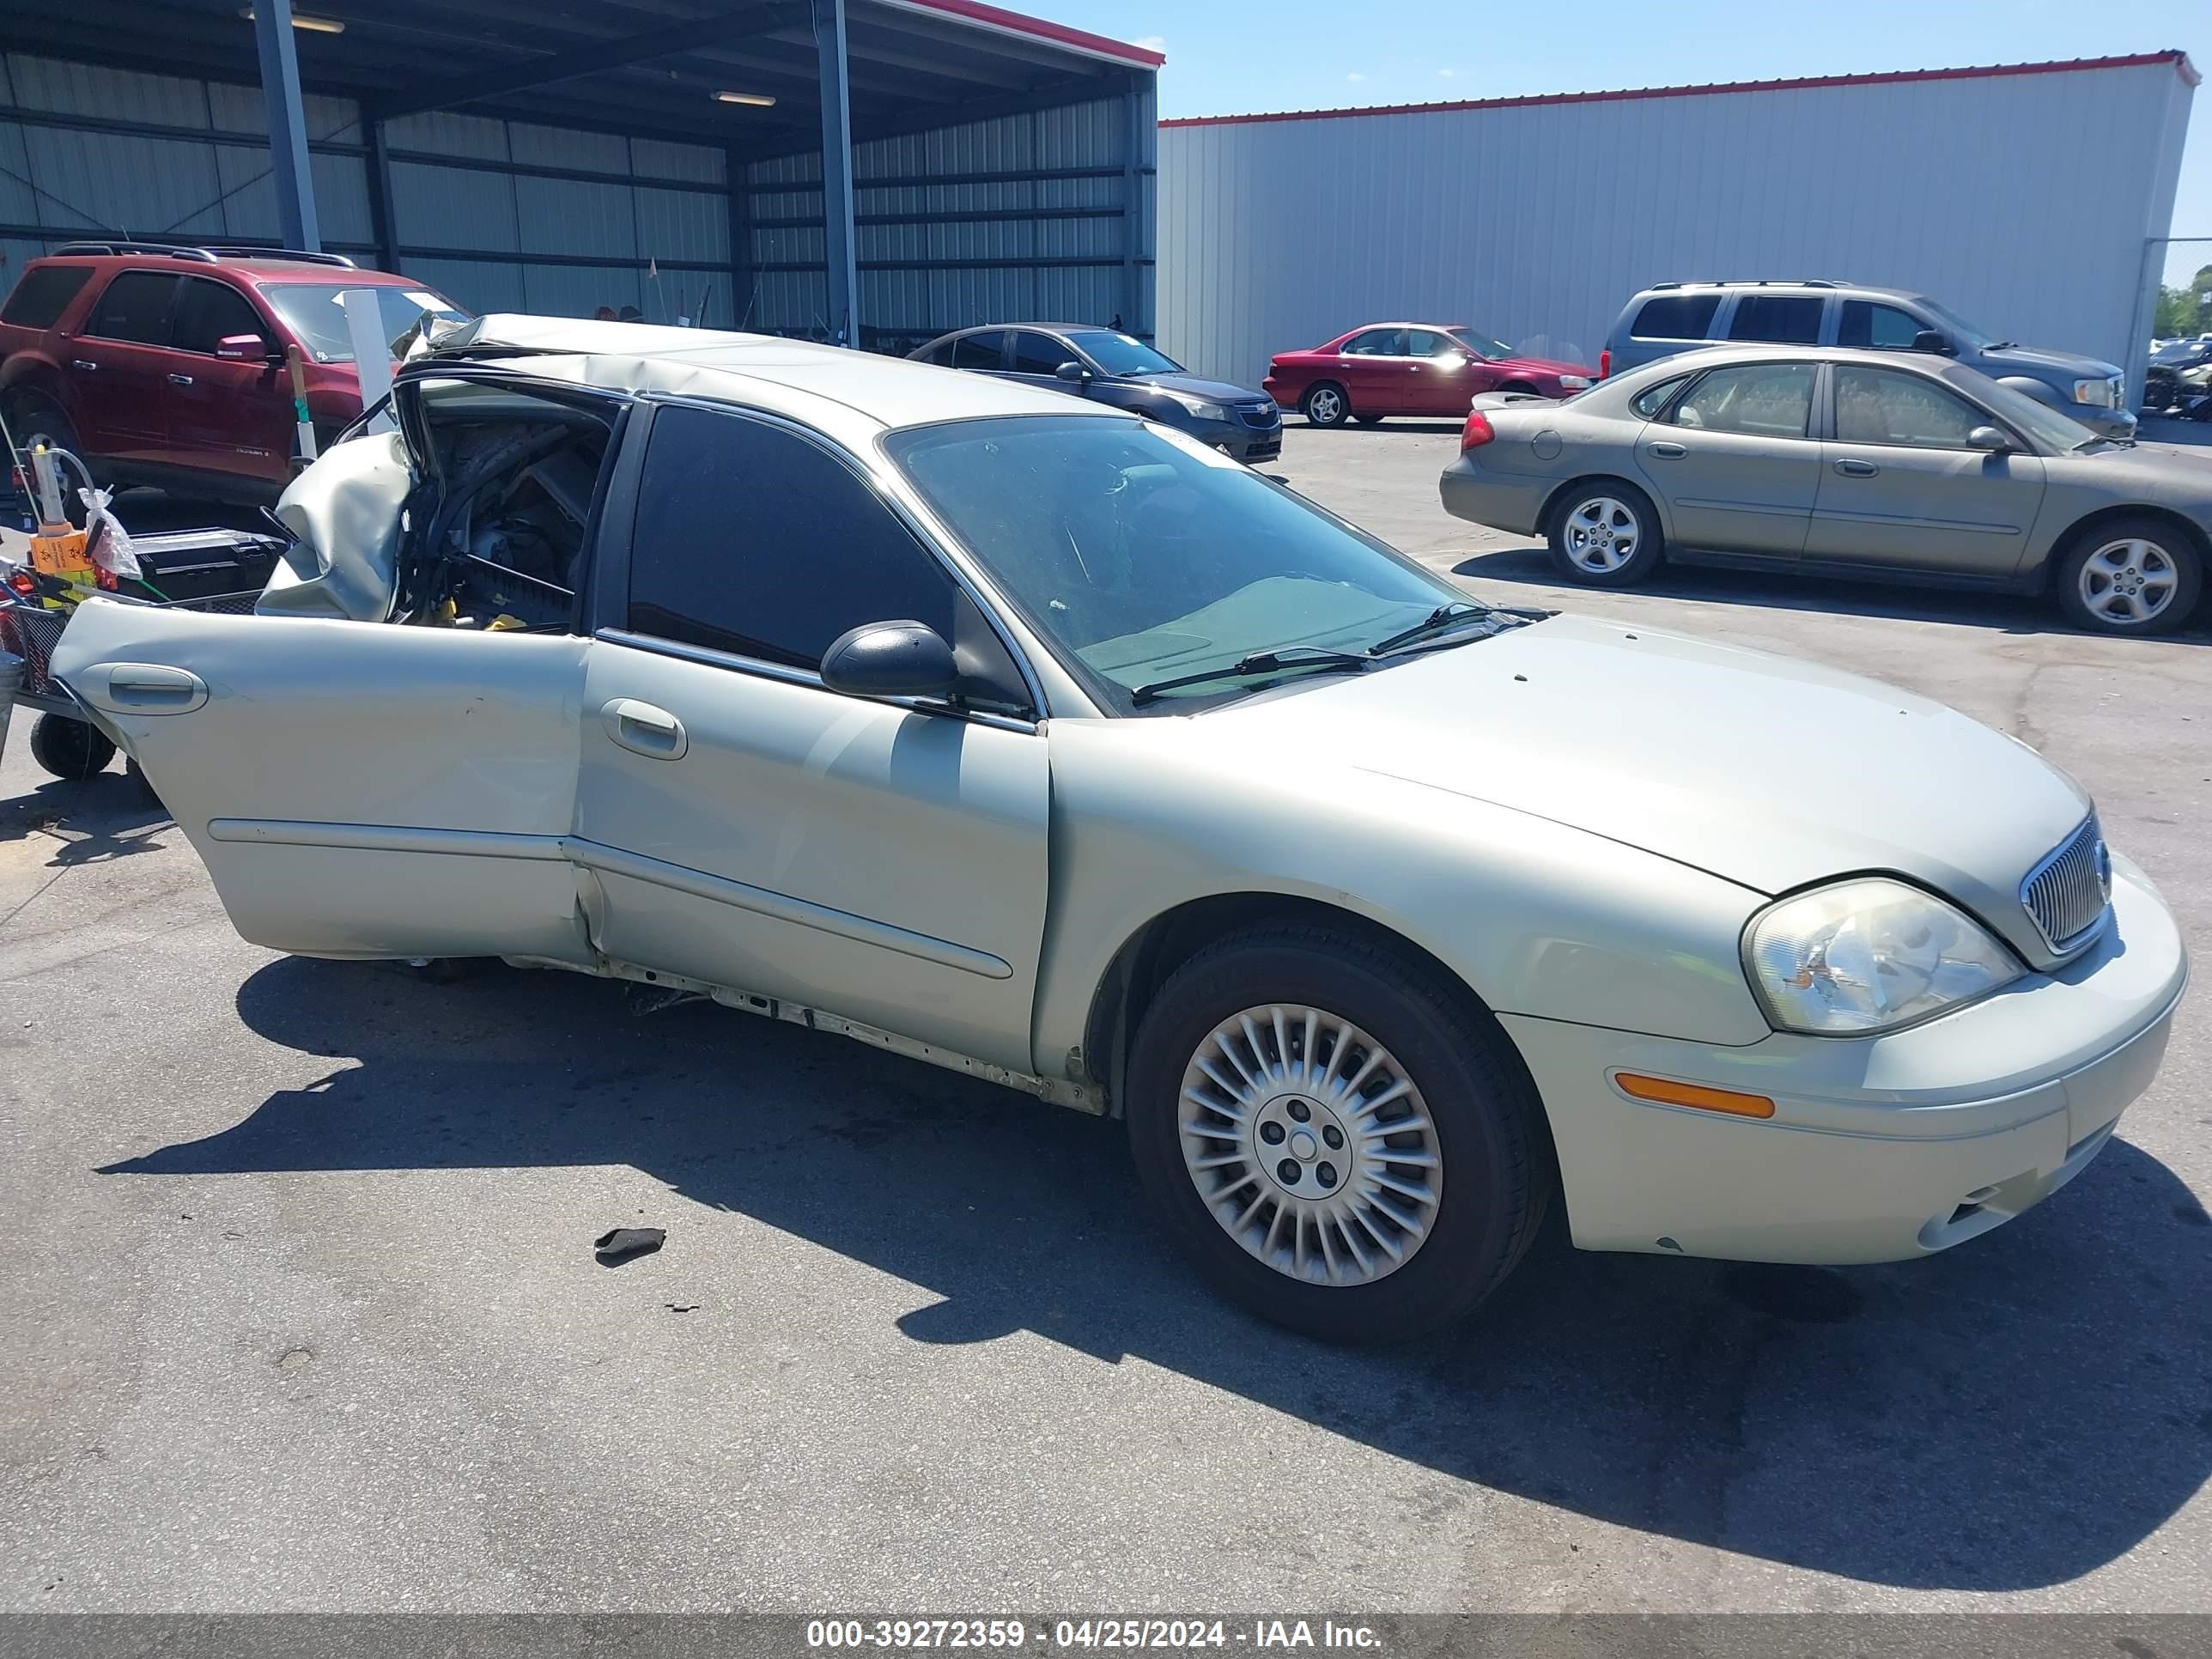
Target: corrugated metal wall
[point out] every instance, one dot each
(1019, 217)
(505, 216)
(197, 165)
(1536, 223)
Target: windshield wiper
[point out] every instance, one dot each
(1260, 662)
(1440, 620)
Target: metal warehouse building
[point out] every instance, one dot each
(1535, 219)
(661, 154)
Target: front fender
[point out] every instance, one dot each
(1538, 919)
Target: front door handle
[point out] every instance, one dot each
(1668, 449)
(180, 379)
(644, 730)
(79, 362)
(146, 687)
(1858, 469)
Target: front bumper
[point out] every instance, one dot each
(1881, 1149)
(1240, 442)
(2104, 421)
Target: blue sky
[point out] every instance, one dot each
(1233, 57)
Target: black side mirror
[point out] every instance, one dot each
(890, 660)
(1928, 340)
(1074, 372)
(1990, 438)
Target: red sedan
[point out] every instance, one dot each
(1410, 369)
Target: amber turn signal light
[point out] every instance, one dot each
(1668, 1093)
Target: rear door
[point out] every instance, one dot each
(355, 789)
(1901, 485)
(226, 415)
(1374, 369)
(985, 351)
(1734, 461)
(120, 364)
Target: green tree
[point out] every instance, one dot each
(2185, 310)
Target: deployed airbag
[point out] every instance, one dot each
(344, 512)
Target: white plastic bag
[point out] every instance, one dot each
(106, 539)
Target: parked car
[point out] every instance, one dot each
(1014, 733)
(2179, 379)
(166, 365)
(1121, 371)
(1670, 318)
(1861, 464)
(1435, 369)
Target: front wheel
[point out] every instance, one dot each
(1606, 534)
(2130, 576)
(1327, 405)
(69, 748)
(1335, 1137)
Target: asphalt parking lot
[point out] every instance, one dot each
(301, 1311)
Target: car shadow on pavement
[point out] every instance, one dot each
(92, 820)
(2009, 613)
(2010, 1415)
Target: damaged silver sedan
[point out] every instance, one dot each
(1022, 737)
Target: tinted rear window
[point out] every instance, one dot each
(43, 295)
(1675, 317)
(1777, 319)
(135, 307)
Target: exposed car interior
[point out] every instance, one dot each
(496, 532)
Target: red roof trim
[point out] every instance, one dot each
(1014, 22)
(2178, 58)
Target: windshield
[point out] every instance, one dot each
(1120, 354)
(313, 310)
(1962, 332)
(2181, 351)
(1144, 556)
(2039, 420)
(1481, 345)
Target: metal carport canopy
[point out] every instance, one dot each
(639, 68)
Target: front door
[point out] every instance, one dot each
(1733, 461)
(744, 825)
(1902, 486)
(1034, 359)
(120, 365)
(227, 416)
(354, 789)
(1438, 382)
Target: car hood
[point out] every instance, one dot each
(2013, 359)
(1767, 772)
(2177, 475)
(1196, 385)
(1543, 366)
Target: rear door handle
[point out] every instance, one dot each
(1858, 469)
(79, 362)
(180, 379)
(1669, 450)
(644, 730)
(145, 688)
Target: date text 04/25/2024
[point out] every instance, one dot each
(1114, 1633)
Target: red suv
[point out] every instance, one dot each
(166, 365)
(1410, 369)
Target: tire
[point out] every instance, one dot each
(1368, 420)
(1593, 521)
(1490, 1174)
(69, 748)
(1325, 403)
(2130, 576)
(2162, 390)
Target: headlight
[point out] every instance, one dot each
(1575, 382)
(1199, 409)
(2099, 393)
(1869, 955)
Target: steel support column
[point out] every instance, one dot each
(739, 209)
(1132, 190)
(288, 125)
(839, 254)
(379, 198)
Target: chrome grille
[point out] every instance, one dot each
(2066, 894)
